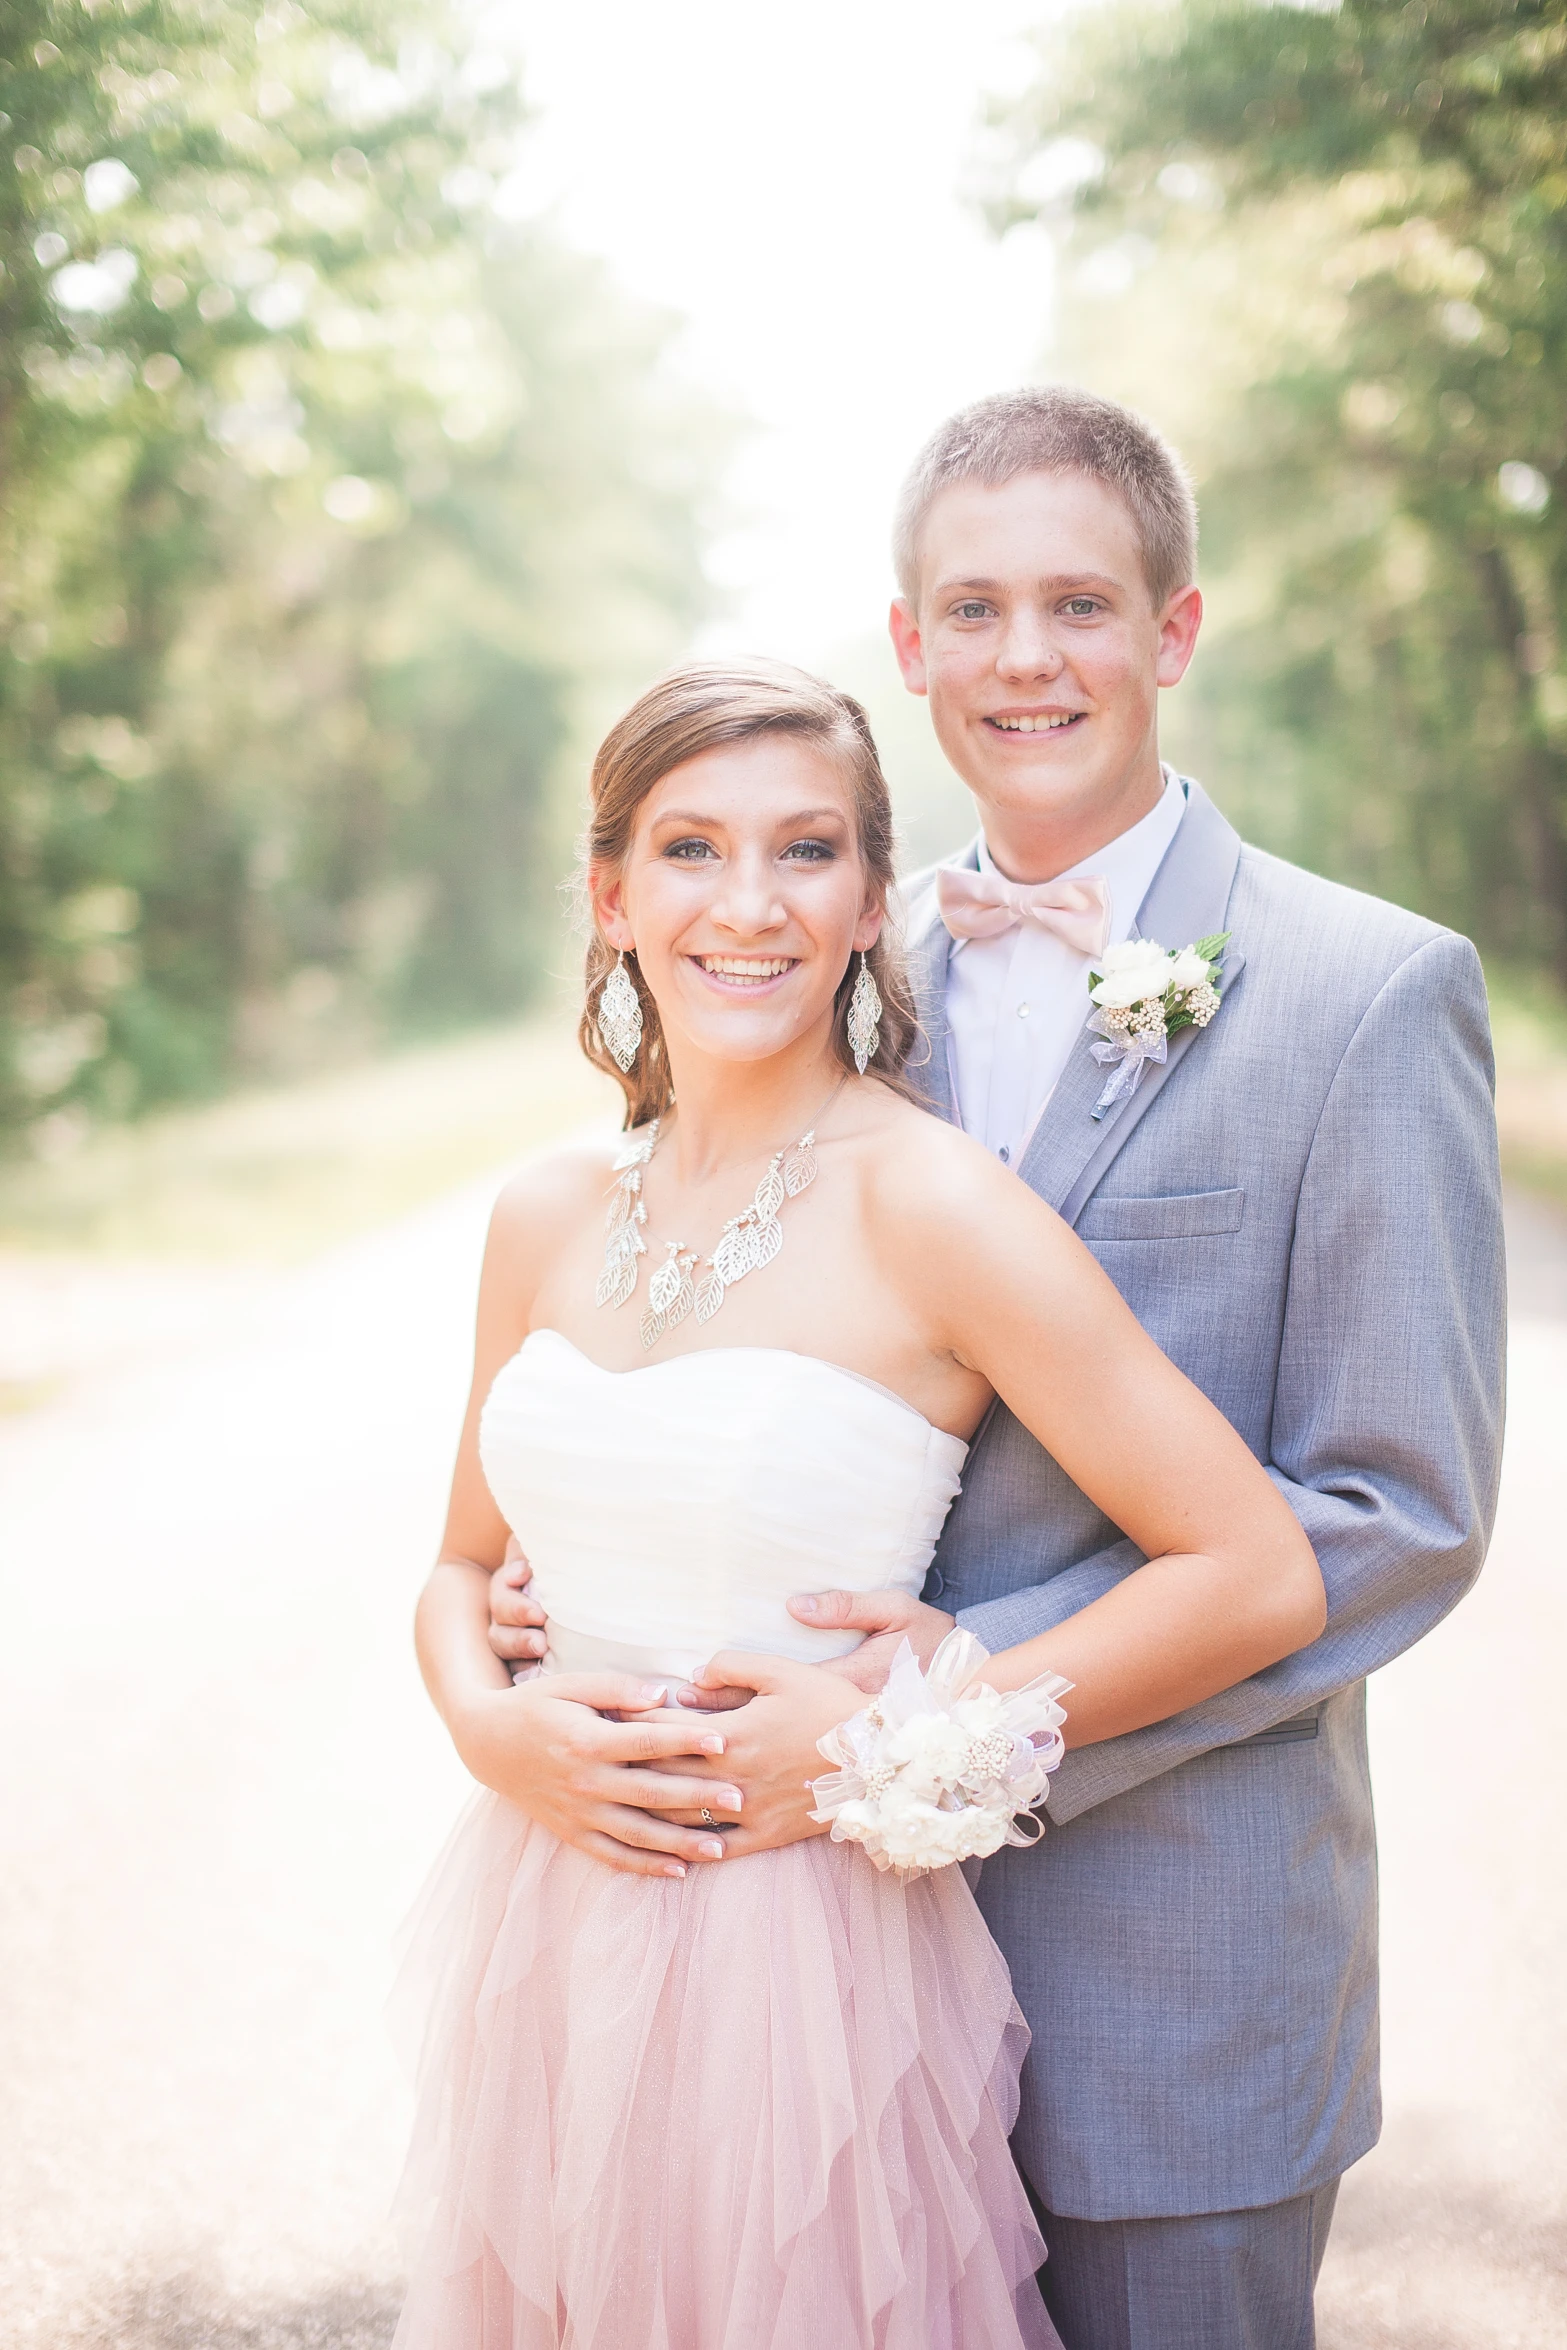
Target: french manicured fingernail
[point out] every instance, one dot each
(805, 1607)
(729, 1799)
(711, 1745)
(674, 1868)
(711, 1847)
(654, 1692)
(535, 1644)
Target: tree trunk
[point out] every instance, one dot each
(1542, 767)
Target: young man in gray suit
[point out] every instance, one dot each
(1300, 1200)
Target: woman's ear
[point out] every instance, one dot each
(606, 898)
(869, 927)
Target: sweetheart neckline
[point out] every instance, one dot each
(706, 1353)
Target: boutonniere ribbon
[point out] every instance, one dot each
(1143, 994)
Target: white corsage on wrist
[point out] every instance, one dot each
(926, 1775)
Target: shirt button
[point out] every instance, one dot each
(1022, 1011)
(1004, 1155)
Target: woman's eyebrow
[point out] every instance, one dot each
(690, 822)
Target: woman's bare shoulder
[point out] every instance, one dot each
(923, 1156)
(939, 1196)
(550, 1195)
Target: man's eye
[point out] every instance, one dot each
(972, 610)
(1082, 607)
(810, 852)
(689, 852)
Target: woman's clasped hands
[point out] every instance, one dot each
(601, 1784)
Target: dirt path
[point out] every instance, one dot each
(1452, 2235)
(224, 1786)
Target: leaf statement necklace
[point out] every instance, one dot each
(680, 1286)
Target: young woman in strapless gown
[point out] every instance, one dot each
(694, 2080)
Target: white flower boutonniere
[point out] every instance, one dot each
(1143, 994)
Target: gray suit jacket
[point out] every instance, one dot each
(1303, 1207)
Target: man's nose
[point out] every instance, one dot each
(1029, 649)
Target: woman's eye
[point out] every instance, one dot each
(810, 852)
(689, 852)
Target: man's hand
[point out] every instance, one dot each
(602, 1786)
(517, 1622)
(770, 1747)
(887, 1618)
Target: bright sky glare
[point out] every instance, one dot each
(791, 182)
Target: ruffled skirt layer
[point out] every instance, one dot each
(763, 2107)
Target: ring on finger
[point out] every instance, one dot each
(708, 1820)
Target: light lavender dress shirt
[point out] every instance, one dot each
(1017, 1004)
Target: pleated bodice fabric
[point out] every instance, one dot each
(672, 1510)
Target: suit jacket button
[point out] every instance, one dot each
(935, 1583)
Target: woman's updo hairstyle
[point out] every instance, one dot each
(694, 709)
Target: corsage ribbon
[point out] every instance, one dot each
(1126, 1057)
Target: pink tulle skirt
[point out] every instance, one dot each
(763, 2107)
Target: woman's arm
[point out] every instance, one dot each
(1231, 1584)
(545, 1746)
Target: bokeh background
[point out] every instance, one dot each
(386, 393)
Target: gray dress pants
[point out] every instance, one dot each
(1224, 2280)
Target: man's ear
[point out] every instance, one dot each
(908, 644)
(1178, 626)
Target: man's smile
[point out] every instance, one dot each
(1034, 722)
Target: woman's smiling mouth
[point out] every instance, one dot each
(745, 973)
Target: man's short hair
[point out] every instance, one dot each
(1057, 429)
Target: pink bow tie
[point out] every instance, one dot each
(983, 905)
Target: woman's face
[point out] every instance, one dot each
(744, 896)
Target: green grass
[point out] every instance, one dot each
(1529, 1019)
(272, 1176)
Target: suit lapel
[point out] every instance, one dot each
(930, 953)
(1069, 1152)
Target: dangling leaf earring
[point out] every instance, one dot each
(620, 1016)
(864, 1018)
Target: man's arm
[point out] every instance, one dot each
(1388, 1407)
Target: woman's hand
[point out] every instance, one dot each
(770, 1749)
(601, 1786)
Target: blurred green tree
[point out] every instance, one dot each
(1362, 213)
(334, 507)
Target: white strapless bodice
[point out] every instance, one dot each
(670, 1511)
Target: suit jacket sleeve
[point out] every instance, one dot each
(1387, 1421)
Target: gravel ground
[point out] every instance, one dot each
(225, 1787)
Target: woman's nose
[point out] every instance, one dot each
(749, 903)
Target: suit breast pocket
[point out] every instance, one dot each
(1187, 1215)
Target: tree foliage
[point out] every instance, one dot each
(1383, 446)
(331, 506)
